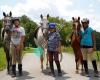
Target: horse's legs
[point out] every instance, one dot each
(8, 59)
(41, 59)
(47, 57)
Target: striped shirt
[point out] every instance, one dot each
(53, 41)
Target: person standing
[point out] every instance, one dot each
(54, 48)
(17, 39)
(88, 45)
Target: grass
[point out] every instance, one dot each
(2, 59)
(70, 50)
(67, 49)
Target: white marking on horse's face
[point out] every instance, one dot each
(44, 22)
(7, 21)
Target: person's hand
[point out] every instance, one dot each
(18, 46)
(58, 50)
(94, 47)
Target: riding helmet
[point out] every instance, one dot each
(85, 20)
(52, 25)
(16, 19)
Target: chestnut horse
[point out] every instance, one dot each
(75, 42)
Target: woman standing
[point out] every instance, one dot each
(88, 45)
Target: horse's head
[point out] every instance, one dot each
(76, 24)
(7, 21)
(44, 23)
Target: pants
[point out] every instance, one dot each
(88, 53)
(16, 54)
(54, 56)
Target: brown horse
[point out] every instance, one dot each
(75, 42)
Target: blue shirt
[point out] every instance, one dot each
(86, 39)
(53, 41)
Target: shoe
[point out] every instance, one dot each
(20, 69)
(13, 70)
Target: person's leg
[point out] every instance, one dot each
(19, 57)
(50, 54)
(56, 58)
(13, 53)
(92, 57)
(85, 57)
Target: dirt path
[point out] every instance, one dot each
(32, 71)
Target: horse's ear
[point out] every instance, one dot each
(79, 18)
(73, 18)
(47, 16)
(10, 14)
(41, 16)
(4, 14)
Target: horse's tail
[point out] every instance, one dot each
(2, 34)
(35, 32)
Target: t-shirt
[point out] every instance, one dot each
(17, 33)
(53, 41)
(86, 39)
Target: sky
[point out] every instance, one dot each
(63, 8)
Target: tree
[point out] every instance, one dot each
(29, 26)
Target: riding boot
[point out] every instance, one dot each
(52, 68)
(95, 67)
(59, 68)
(13, 70)
(85, 66)
(20, 69)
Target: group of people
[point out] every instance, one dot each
(87, 41)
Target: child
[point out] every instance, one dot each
(54, 48)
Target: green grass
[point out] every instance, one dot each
(28, 50)
(67, 49)
(2, 59)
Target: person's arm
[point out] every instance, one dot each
(22, 39)
(94, 40)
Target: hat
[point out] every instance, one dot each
(52, 25)
(85, 20)
(16, 18)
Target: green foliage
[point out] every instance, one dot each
(0, 32)
(29, 26)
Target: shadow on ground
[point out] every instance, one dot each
(45, 72)
(25, 76)
(91, 75)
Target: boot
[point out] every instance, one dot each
(59, 68)
(95, 67)
(13, 70)
(52, 68)
(85, 66)
(20, 69)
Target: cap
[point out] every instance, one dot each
(52, 25)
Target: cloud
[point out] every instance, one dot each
(62, 8)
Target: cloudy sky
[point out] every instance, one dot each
(62, 8)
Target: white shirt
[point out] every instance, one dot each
(17, 33)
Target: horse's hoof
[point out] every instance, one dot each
(77, 71)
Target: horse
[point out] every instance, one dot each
(40, 37)
(6, 38)
(75, 43)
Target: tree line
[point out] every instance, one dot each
(30, 26)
